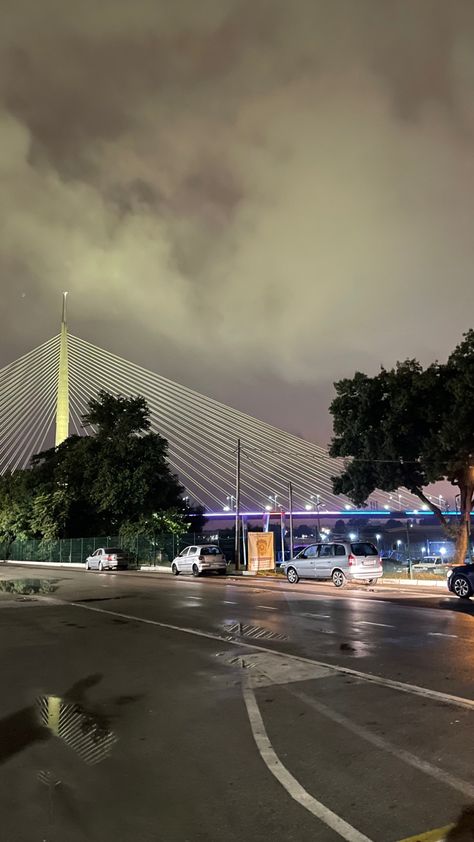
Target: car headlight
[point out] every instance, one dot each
(449, 574)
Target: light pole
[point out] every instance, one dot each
(317, 498)
(290, 501)
(237, 507)
(230, 505)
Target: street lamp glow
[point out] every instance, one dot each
(268, 508)
(352, 536)
(442, 550)
(347, 507)
(378, 536)
(387, 507)
(308, 507)
(399, 543)
(226, 509)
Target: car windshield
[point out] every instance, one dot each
(210, 551)
(363, 548)
(110, 550)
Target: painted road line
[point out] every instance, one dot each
(441, 634)
(382, 625)
(268, 607)
(286, 779)
(412, 689)
(229, 602)
(318, 616)
(364, 733)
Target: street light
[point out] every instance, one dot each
(347, 507)
(352, 536)
(378, 537)
(273, 498)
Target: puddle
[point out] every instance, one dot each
(87, 733)
(28, 586)
(356, 648)
(254, 632)
(83, 727)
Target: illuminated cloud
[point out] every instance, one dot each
(286, 187)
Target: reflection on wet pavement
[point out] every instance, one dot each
(87, 733)
(82, 728)
(28, 586)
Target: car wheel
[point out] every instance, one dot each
(101, 567)
(338, 579)
(195, 570)
(461, 587)
(87, 565)
(372, 582)
(292, 576)
(222, 572)
(174, 570)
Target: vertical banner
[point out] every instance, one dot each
(261, 551)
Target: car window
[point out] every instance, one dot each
(193, 550)
(326, 550)
(309, 552)
(363, 548)
(98, 552)
(109, 550)
(339, 549)
(210, 551)
(184, 552)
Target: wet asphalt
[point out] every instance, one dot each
(122, 715)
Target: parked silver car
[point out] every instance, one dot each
(108, 558)
(200, 559)
(340, 561)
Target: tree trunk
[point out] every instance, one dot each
(462, 540)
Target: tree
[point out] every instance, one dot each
(410, 427)
(91, 485)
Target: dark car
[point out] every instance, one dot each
(461, 580)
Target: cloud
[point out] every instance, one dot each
(286, 187)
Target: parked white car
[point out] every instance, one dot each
(108, 558)
(200, 559)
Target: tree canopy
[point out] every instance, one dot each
(409, 426)
(95, 485)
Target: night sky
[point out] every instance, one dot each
(252, 198)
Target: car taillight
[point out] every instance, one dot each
(352, 559)
(108, 558)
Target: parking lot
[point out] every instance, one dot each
(145, 707)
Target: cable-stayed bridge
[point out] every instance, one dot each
(44, 393)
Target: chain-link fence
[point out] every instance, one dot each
(158, 550)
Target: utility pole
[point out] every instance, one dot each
(237, 507)
(290, 501)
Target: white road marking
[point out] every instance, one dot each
(229, 602)
(412, 689)
(286, 779)
(440, 634)
(267, 607)
(400, 753)
(382, 625)
(319, 616)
